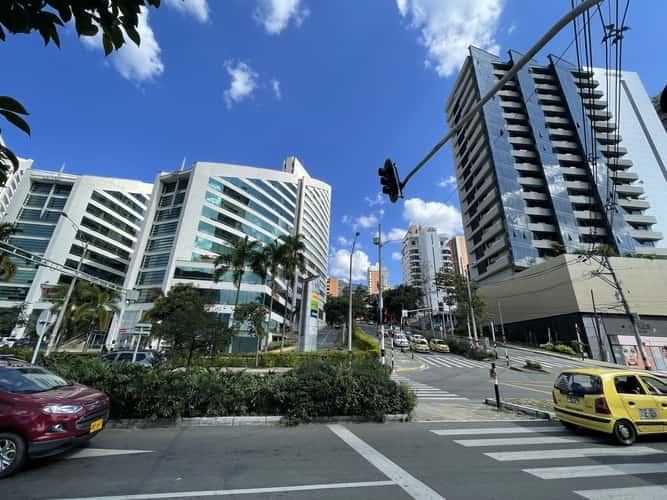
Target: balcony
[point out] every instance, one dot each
(539, 211)
(623, 175)
(565, 146)
(633, 204)
(531, 181)
(515, 117)
(544, 244)
(557, 120)
(546, 86)
(581, 199)
(527, 167)
(550, 108)
(569, 158)
(515, 127)
(595, 103)
(574, 171)
(532, 195)
(606, 138)
(590, 92)
(541, 227)
(598, 114)
(642, 235)
(596, 230)
(640, 219)
(524, 153)
(604, 125)
(628, 190)
(578, 186)
(521, 140)
(587, 215)
(613, 150)
(619, 163)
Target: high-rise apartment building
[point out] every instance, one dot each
(374, 279)
(459, 252)
(425, 252)
(199, 213)
(57, 215)
(542, 168)
(333, 287)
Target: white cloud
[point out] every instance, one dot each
(196, 8)
(275, 15)
(345, 219)
(449, 181)
(243, 82)
(378, 199)
(448, 27)
(511, 29)
(275, 85)
(396, 233)
(136, 63)
(343, 241)
(339, 267)
(396, 256)
(367, 220)
(445, 218)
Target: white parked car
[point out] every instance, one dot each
(400, 341)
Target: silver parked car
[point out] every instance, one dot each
(400, 341)
(144, 358)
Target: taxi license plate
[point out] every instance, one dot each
(648, 413)
(96, 425)
(573, 399)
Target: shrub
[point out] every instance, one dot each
(462, 346)
(317, 388)
(564, 349)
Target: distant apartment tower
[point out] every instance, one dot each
(200, 213)
(539, 172)
(333, 287)
(457, 247)
(106, 213)
(424, 253)
(662, 116)
(374, 279)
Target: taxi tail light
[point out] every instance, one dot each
(601, 406)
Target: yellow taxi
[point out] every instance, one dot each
(419, 344)
(438, 345)
(623, 403)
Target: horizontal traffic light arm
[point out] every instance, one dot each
(555, 29)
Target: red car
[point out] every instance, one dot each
(42, 414)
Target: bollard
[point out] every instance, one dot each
(507, 358)
(493, 374)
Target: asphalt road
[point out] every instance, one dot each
(458, 460)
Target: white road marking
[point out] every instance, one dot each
(410, 484)
(496, 430)
(658, 492)
(102, 452)
(247, 491)
(447, 398)
(509, 456)
(424, 391)
(597, 470)
(514, 441)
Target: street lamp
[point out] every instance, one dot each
(349, 306)
(61, 314)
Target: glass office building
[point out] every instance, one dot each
(107, 213)
(199, 213)
(544, 169)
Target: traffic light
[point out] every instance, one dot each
(391, 185)
(663, 100)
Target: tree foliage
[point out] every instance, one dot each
(253, 315)
(336, 308)
(7, 265)
(458, 296)
(399, 298)
(113, 19)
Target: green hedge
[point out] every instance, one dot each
(563, 349)
(364, 342)
(462, 346)
(315, 389)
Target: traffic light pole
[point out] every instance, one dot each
(380, 290)
(511, 73)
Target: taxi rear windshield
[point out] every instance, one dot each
(578, 383)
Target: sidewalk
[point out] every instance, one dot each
(593, 362)
(431, 411)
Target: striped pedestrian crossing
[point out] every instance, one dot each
(546, 362)
(616, 461)
(424, 391)
(451, 361)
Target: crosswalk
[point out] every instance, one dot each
(424, 391)
(451, 361)
(586, 456)
(546, 362)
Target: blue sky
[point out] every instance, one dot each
(340, 84)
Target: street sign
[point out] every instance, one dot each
(43, 322)
(142, 329)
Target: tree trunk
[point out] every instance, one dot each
(268, 322)
(192, 350)
(257, 352)
(236, 302)
(282, 340)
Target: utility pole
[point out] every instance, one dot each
(349, 306)
(472, 310)
(502, 323)
(379, 244)
(633, 318)
(598, 331)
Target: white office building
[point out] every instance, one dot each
(56, 215)
(425, 252)
(198, 213)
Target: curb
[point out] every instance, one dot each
(267, 420)
(516, 368)
(412, 369)
(546, 415)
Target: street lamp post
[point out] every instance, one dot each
(378, 241)
(349, 306)
(61, 314)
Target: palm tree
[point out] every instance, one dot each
(241, 255)
(267, 262)
(293, 249)
(7, 266)
(99, 305)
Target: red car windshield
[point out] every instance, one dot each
(29, 380)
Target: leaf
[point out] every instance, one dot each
(108, 46)
(16, 120)
(7, 153)
(11, 104)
